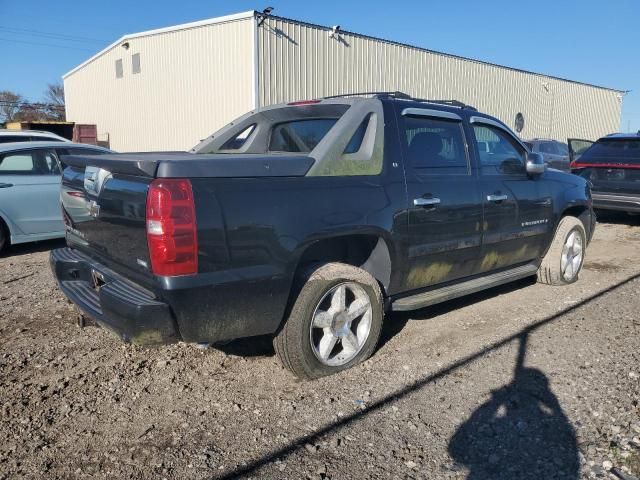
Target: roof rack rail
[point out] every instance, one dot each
(404, 96)
(373, 94)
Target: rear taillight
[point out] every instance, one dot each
(171, 227)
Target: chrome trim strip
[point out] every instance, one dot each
(501, 126)
(425, 202)
(427, 112)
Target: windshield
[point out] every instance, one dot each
(613, 151)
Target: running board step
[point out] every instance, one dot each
(450, 292)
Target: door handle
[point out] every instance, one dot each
(6, 185)
(496, 198)
(426, 202)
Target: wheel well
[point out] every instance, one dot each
(369, 252)
(580, 212)
(5, 229)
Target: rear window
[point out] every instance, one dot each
(613, 151)
(299, 136)
(548, 147)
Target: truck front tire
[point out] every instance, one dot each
(565, 257)
(335, 321)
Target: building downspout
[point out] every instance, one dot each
(256, 67)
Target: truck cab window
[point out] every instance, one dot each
(499, 153)
(435, 146)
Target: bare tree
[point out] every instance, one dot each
(10, 103)
(54, 97)
(33, 112)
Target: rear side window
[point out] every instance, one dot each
(613, 151)
(435, 146)
(549, 147)
(14, 138)
(29, 162)
(299, 136)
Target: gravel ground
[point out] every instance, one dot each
(524, 381)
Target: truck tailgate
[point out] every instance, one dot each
(104, 200)
(104, 214)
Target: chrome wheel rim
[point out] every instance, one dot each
(572, 253)
(341, 324)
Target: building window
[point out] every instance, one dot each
(119, 70)
(135, 63)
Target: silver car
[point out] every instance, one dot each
(30, 189)
(554, 153)
(10, 136)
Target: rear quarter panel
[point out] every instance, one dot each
(252, 233)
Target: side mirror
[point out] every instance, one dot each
(535, 164)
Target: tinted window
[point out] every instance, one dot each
(14, 138)
(30, 162)
(613, 151)
(356, 140)
(299, 135)
(499, 152)
(435, 146)
(239, 140)
(529, 146)
(548, 147)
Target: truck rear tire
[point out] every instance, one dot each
(564, 259)
(334, 324)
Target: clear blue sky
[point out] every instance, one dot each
(586, 40)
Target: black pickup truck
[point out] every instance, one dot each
(308, 221)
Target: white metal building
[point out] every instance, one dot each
(166, 89)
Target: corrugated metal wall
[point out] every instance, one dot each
(191, 83)
(299, 61)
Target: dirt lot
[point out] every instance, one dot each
(526, 381)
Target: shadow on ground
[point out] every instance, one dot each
(618, 218)
(520, 432)
(525, 403)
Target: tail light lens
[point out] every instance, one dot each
(171, 228)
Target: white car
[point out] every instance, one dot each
(10, 136)
(30, 189)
